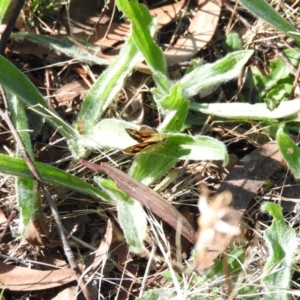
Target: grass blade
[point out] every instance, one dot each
(52, 175)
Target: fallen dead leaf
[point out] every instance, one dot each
(147, 197)
(255, 136)
(201, 30)
(69, 292)
(38, 236)
(109, 35)
(17, 278)
(69, 91)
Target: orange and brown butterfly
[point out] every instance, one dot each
(147, 140)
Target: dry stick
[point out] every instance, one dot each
(227, 283)
(68, 252)
(10, 23)
(12, 215)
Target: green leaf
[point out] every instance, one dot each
(6, 7)
(27, 193)
(245, 111)
(18, 84)
(161, 157)
(235, 260)
(65, 46)
(131, 215)
(233, 42)
(29, 202)
(52, 175)
(109, 133)
(142, 30)
(19, 118)
(282, 243)
(278, 93)
(204, 79)
(175, 109)
(290, 152)
(149, 167)
(274, 87)
(107, 86)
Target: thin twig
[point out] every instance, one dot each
(9, 23)
(12, 215)
(52, 203)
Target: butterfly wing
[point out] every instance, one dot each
(137, 148)
(139, 136)
(145, 139)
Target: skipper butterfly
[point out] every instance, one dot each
(147, 140)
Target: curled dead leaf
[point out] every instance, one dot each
(213, 229)
(34, 235)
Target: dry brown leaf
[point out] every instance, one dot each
(107, 36)
(201, 30)
(213, 229)
(70, 292)
(166, 14)
(50, 257)
(147, 197)
(37, 235)
(18, 278)
(69, 91)
(2, 217)
(255, 136)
